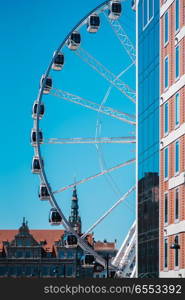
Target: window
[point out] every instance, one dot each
(177, 157)
(69, 270)
(165, 253)
(177, 110)
(145, 12)
(148, 12)
(166, 163)
(62, 254)
(28, 254)
(166, 118)
(176, 204)
(45, 270)
(151, 9)
(61, 270)
(54, 271)
(19, 242)
(12, 270)
(19, 254)
(177, 64)
(28, 271)
(176, 252)
(166, 63)
(28, 242)
(70, 254)
(3, 270)
(19, 270)
(166, 27)
(177, 15)
(166, 208)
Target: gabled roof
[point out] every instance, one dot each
(50, 236)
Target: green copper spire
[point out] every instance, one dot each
(74, 218)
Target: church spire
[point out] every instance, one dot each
(74, 218)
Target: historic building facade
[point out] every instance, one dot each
(172, 138)
(43, 253)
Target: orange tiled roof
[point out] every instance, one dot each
(50, 236)
(104, 246)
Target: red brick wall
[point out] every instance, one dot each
(169, 50)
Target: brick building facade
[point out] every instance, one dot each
(172, 138)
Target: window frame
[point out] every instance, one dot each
(176, 219)
(166, 119)
(176, 251)
(166, 221)
(166, 58)
(166, 41)
(177, 29)
(177, 110)
(166, 149)
(177, 142)
(148, 19)
(177, 76)
(166, 252)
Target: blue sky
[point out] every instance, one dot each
(30, 33)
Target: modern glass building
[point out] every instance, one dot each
(148, 95)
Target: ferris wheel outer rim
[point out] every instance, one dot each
(81, 242)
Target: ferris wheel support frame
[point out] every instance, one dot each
(37, 149)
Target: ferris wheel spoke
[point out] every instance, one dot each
(105, 73)
(123, 38)
(95, 176)
(109, 211)
(124, 117)
(102, 140)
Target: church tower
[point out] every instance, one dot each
(74, 218)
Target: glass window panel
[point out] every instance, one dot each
(19, 254)
(177, 252)
(3, 270)
(69, 270)
(28, 270)
(151, 9)
(45, 270)
(28, 254)
(166, 72)
(177, 109)
(19, 270)
(61, 270)
(145, 12)
(19, 242)
(166, 208)
(166, 117)
(12, 270)
(177, 62)
(70, 254)
(177, 157)
(177, 15)
(62, 254)
(165, 253)
(177, 204)
(27, 242)
(166, 163)
(166, 27)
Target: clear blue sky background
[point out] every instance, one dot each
(30, 32)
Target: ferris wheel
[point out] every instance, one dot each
(108, 12)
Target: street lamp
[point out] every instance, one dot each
(175, 245)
